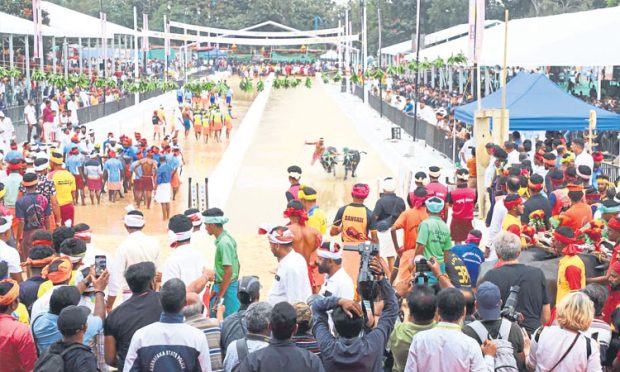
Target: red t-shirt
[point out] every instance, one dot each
(439, 190)
(17, 349)
(463, 200)
(48, 115)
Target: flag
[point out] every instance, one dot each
(480, 19)
(38, 26)
(471, 46)
(104, 37)
(167, 39)
(476, 29)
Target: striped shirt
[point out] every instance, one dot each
(211, 328)
(308, 342)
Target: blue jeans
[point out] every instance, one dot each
(231, 302)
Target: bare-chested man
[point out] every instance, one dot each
(145, 170)
(306, 241)
(319, 148)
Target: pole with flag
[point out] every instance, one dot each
(166, 47)
(417, 72)
(38, 32)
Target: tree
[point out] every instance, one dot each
(447, 13)
(22, 9)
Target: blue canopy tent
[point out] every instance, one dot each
(536, 103)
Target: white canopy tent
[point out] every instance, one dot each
(80, 24)
(10, 24)
(573, 39)
(434, 38)
(247, 32)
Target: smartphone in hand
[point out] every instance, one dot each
(101, 263)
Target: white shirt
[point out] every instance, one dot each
(232, 359)
(467, 147)
(185, 262)
(513, 157)
(499, 212)
(291, 283)
(553, 343)
(446, 348)
(136, 248)
(8, 129)
(11, 256)
(42, 304)
(168, 340)
(89, 260)
(30, 114)
(339, 285)
(489, 173)
(584, 159)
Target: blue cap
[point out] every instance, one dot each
(434, 204)
(489, 301)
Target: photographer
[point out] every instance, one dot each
(491, 325)
(351, 351)
(533, 303)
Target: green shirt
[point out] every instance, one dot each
(226, 255)
(400, 341)
(434, 235)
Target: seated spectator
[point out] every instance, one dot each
(303, 338)
(45, 328)
(149, 343)
(599, 330)
(141, 309)
(282, 354)
(549, 344)
(491, 325)
(234, 326)
(422, 306)
(38, 257)
(193, 313)
(445, 347)
(17, 348)
(257, 335)
(349, 350)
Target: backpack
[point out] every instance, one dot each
(54, 362)
(155, 119)
(34, 216)
(504, 358)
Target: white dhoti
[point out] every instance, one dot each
(386, 245)
(163, 193)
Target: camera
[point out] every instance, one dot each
(510, 308)
(421, 270)
(366, 283)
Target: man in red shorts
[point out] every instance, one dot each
(145, 169)
(462, 200)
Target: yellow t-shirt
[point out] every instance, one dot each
(510, 220)
(47, 285)
(563, 285)
(64, 182)
(317, 219)
(21, 314)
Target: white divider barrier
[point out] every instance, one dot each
(226, 171)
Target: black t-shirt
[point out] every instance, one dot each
(457, 271)
(534, 203)
(389, 206)
(78, 359)
(131, 315)
(533, 292)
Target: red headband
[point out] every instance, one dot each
(535, 186)
(511, 204)
(563, 239)
(597, 156)
(42, 242)
(301, 213)
(614, 223)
